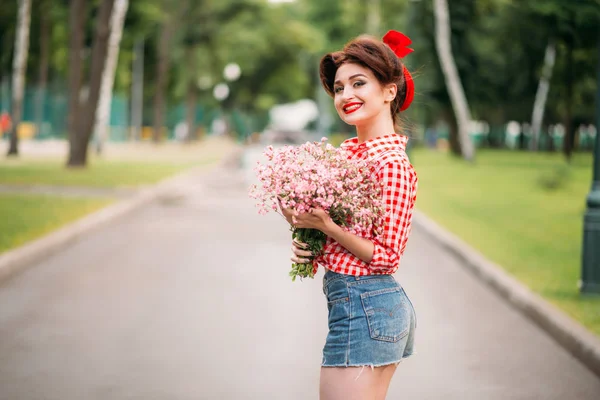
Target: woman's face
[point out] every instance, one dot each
(358, 96)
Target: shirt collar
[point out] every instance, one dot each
(376, 145)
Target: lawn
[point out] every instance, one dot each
(100, 173)
(26, 217)
(523, 211)
(123, 164)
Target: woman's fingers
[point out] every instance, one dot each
(299, 255)
(299, 252)
(298, 243)
(299, 260)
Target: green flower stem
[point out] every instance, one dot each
(315, 239)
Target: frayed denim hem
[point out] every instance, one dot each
(368, 365)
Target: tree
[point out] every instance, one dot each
(572, 27)
(167, 30)
(108, 77)
(84, 120)
(77, 18)
(19, 69)
(541, 95)
(44, 61)
(453, 83)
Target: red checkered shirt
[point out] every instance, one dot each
(399, 182)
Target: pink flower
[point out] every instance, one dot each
(316, 174)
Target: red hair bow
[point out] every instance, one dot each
(399, 43)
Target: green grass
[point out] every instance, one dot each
(523, 211)
(26, 217)
(100, 173)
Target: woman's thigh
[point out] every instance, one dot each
(355, 383)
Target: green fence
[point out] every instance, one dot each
(47, 109)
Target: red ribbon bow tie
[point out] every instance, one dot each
(399, 43)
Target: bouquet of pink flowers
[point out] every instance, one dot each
(318, 175)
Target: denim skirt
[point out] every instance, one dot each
(371, 321)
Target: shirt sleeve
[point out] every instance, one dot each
(397, 198)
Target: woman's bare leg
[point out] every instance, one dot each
(355, 383)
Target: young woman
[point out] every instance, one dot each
(371, 320)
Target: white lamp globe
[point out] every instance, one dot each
(232, 72)
(221, 91)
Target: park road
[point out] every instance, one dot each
(189, 298)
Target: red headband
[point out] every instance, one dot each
(399, 43)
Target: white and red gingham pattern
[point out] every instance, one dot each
(399, 181)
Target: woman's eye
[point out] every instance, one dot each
(358, 83)
(338, 89)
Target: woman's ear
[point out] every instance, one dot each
(390, 91)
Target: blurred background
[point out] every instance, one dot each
(179, 70)
(503, 123)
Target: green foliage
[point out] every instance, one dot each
(8, 20)
(498, 45)
(499, 49)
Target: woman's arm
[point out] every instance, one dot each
(319, 219)
(399, 194)
(360, 247)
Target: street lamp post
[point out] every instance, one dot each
(221, 91)
(590, 274)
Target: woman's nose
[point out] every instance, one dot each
(347, 93)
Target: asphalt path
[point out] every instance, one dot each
(189, 298)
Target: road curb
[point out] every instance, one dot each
(17, 260)
(570, 334)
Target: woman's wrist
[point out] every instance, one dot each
(332, 229)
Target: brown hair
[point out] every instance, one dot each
(370, 53)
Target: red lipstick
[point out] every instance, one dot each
(351, 107)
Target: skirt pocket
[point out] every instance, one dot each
(387, 314)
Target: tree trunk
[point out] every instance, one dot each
(161, 77)
(137, 90)
(453, 83)
(77, 17)
(453, 140)
(117, 20)
(569, 138)
(45, 32)
(521, 138)
(551, 147)
(85, 122)
(191, 100)
(541, 96)
(19, 68)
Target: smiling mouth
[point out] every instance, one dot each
(350, 108)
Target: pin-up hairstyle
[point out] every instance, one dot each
(382, 57)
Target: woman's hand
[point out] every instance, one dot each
(286, 212)
(299, 253)
(315, 218)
